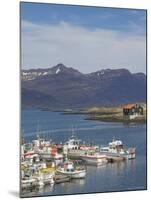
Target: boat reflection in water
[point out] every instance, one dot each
(81, 182)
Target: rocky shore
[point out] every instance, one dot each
(107, 114)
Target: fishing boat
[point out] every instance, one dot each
(52, 155)
(68, 168)
(73, 143)
(117, 149)
(74, 147)
(60, 178)
(94, 158)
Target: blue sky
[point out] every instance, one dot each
(90, 17)
(127, 24)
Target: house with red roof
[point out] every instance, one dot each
(131, 111)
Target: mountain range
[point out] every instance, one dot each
(64, 87)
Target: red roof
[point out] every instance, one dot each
(129, 106)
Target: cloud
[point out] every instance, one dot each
(84, 49)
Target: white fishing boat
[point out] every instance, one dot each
(74, 147)
(52, 155)
(72, 171)
(94, 158)
(116, 149)
(73, 143)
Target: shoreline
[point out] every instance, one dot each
(108, 116)
(105, 114)
(138, 121)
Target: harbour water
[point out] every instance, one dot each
(118, 176)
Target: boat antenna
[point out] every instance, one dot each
(49, 134)
(38, 130)
(72, 131)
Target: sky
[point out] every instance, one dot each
(85, 38)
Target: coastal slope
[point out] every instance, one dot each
(65, 87)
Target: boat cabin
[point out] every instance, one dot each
(116, 145)
(73, 143)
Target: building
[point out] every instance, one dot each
(131, 111)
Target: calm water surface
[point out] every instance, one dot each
(128, 175)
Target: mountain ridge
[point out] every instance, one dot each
(67, 87)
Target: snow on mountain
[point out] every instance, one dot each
(58, 70)
(63, 86)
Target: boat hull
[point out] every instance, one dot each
(119, 156)
(94, 160)
(130, 156)
(77, 174)
(60, 178)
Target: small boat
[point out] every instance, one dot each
(115, 149)
(69, 169)
(60, 178)
(94, 158)
(130, 153)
